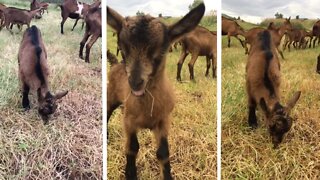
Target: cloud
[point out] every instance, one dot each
(255, 11)
(155, 7)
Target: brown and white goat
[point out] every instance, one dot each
(18, 16)
(93, 30)
(140, 82)
(33, 73)
(263, 88)
(74, 10)
(199, 42)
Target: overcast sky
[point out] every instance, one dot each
(257, 10)
(155, 7)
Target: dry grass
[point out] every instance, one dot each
(249, 154)
(192, 137)
(70, 147)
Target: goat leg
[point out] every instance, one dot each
(25, 99)
(208, 66)
(75, 24)
(252, 120)
(191, 65)
(93, 39)
(183, 56)
(131, 155)
(82, 43)
(163, 149)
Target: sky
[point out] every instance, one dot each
(175, 8)
(256, 10)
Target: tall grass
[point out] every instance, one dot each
(70, 147)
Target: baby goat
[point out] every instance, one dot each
(263, 83)
(33, 73)
(140, 82)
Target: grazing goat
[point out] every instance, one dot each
(33, 73)
(232, 28)
(140, 82)
(263, 83)
(93, 29)
(318, 65)
(74, 10)
(18, 16)
(199, 42)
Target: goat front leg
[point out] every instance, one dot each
(25, 98)
(92, 40)
(208, 66)
(183, 56)
(191, 64)
(83, 43)
(161, 135)
(75, 24)
(252, 118)
(132, 147)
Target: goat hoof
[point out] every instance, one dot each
(27, 108)
(253, 125)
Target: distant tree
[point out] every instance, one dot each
(160, 15)
(238, 18)
(195, 4)
(140, 13)
(297, 17)
(278, 15)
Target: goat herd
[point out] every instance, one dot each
(32, 56)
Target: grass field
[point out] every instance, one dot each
(70, 147)
(249, 154)
(192, 137)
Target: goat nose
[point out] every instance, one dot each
(136, 83)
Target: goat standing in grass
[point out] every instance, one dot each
(93, 30)
(140, 82)
(74, 10)
(33, 73)
(199, 42)
(263, 83)
(18, 16)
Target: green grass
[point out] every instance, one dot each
(192, 136)
(249, 154)
(71, 145)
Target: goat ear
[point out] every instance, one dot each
(292, 102)
(60, 94)
(187, 23)
(264, 107)
(114, 19)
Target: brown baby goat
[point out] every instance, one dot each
(140, 82)
(263, 83)
(33, 73)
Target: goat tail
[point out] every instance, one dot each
(112, 59)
